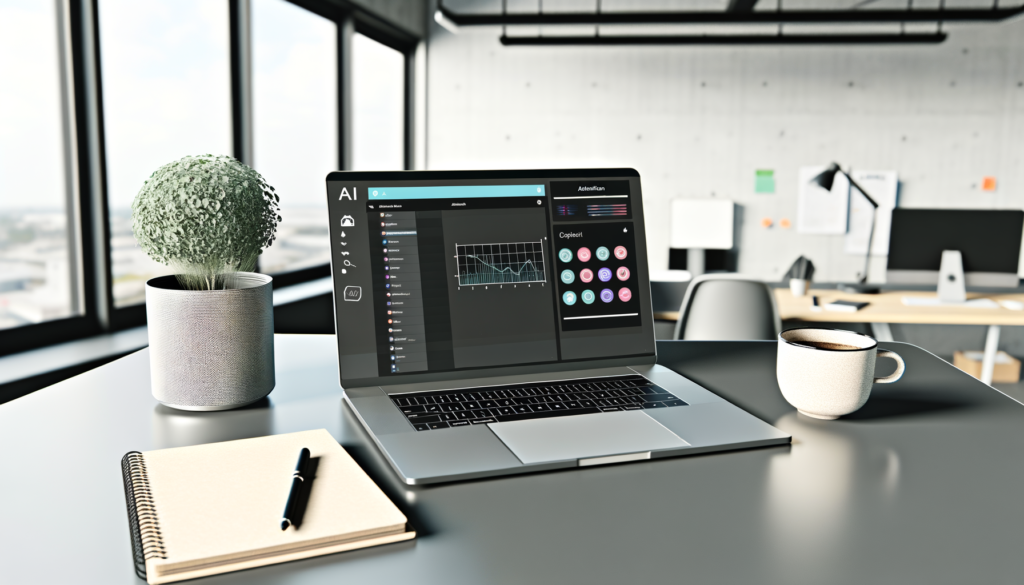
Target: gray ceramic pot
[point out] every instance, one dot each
(211, 349)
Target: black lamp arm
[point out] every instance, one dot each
(861, 189)
(871, 230)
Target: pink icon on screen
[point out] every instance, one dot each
(625, 295)
(583, 254)
(622, 273)
(620, 252)
(586, 275)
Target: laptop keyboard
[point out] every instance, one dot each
(473, 406)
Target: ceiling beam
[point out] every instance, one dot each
(754, 17)
(803, 39)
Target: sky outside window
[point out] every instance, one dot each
(378, 106)
(166, 94)
(295, 126)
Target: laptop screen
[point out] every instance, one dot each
(442, 272)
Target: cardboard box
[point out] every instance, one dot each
(1006, 370)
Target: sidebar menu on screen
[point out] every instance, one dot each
(353, 279)
(398, 289)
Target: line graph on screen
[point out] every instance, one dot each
(500, 263)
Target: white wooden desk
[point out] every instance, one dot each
(887, 307)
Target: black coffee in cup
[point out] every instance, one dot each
(828, 345)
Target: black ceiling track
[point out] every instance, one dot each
(736, 16)
(802, 39)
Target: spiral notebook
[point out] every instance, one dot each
(210, 509)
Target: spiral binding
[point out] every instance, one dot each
(147, 541)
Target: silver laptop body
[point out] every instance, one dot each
(500, 322)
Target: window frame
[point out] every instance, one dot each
(86, 150)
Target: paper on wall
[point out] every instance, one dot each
(820, 211)
(883, 186)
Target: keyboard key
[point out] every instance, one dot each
(422, 427)
(505, 402)
(403, 402)
(654, 405)
(463, 415)
(609, 408)
(675, 402)
(557, 406)
(447, 416)
(481, 414)
(631, 407)
(521, 408)
(433, 408)
(459, 423)
(483, 421)
(413, 409)
(424, 418)
(439, 425)
(506, 410)
(488, 404)
(451, 407)
(572, 405)
(657, 398)
(588, 403)
(519, 401)
(471, 405)
(542, 407)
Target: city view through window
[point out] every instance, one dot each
(166, 95)
(295, 126)
(38, 261)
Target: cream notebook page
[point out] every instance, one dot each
(220, 505)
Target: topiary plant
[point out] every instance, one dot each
(206, 217)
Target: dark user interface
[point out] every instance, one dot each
(442, 278)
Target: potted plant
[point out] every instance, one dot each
(211, 324)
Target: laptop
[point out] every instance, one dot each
(499, 322)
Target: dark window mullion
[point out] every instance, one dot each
(95, 243)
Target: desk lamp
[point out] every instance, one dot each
(825, 180)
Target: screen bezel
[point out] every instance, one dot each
(647, 317)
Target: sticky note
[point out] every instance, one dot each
(988, 183)
(764, 181)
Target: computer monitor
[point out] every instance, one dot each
(989, 242)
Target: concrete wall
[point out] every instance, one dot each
(698, 121)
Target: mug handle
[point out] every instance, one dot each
(900, 367)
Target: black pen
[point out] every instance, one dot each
(293, 495)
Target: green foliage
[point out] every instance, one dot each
(206, 217)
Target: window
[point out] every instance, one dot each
(166, 94)
(39, 261)
(378, 106)
(295, 126)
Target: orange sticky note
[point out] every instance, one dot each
(784, 223)
(988, 183)
(766, 222)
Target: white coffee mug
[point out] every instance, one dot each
(826, 373)
(799, 286)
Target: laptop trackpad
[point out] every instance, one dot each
(589, 435)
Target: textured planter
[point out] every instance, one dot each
(211, 349)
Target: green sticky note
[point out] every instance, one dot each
(764, 181)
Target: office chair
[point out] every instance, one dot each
(728, 307)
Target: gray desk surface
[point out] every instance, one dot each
(923, 485)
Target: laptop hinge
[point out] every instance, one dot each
(614, 459)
